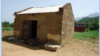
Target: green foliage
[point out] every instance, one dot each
(89, 19)
(12, 25)
(86, 35)
(7, 24)
(87, 25)
(7, 28)
(94, 25)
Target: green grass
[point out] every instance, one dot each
(7, 28)
(86, 35)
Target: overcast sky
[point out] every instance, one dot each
(80, 7)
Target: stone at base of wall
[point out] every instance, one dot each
(51, 47)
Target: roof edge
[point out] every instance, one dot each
(23, 10)
(39, 13)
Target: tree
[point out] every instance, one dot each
(94, 25)
(5, 24)
(12, 24)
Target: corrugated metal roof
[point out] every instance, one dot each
(42, 9)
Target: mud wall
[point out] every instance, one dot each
(67, 24)
(48, 26)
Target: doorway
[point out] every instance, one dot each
(33, 29)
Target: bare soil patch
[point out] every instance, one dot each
(72, 48)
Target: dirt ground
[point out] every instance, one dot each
(72, 48)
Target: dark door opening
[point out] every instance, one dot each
(34, 30)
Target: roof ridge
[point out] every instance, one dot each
(49, 6)
(23, 10)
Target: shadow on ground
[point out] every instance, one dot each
(36, 47)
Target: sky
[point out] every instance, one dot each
(80, 7)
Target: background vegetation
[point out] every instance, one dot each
(92, 23)
(88, 19)
(91, 31)
(7, 26)
(87, 35)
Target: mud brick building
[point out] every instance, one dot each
(53, 24)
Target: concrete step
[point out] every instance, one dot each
(51, 47)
